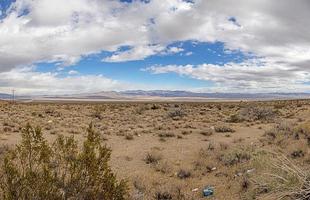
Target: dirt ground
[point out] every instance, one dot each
(171, 149)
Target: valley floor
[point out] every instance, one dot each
(176, 149)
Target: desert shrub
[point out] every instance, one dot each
(97, 112)
(279, 105)
(183, 174)
(37, 170)
(235, 118)
(186, 132)
(271, 134)
(303, 129)
(163, 196)
(280, 178)
(169, 192)
(254, 113)
(235, 156)
(245, 184)
(129, 137)
(155, 107)
(297, 154)
(141, 109)
(163, 167)
(166, 135)
(207, 132)
(7, 129)
(222, 128)
(176, 113)
(210, 147)
(3, 150)
(152, 157)
(282, 129)
(51, 112)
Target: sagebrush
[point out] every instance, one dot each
(36, 169)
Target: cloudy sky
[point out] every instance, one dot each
(76, 46)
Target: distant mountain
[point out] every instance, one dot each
(163, 93)
(136, 95)
(172, 95)
(5, 96)
(168, 93)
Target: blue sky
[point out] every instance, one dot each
(131, 71)
(207, 46)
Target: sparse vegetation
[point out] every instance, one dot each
(280, 178)
(97, 112)
(153, 157)
(129, 137)
(223, 129)
(254, 113)
(37, 170)
(183, 174)
(166, 135)
(176, 113)
(164, 150)
(207, 132)
(163, 196)
(235, 156)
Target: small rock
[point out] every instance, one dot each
(195, 190)
(238, 174)
(250, 171)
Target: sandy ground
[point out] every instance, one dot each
(132, 130)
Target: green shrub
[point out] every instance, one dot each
(37, 170)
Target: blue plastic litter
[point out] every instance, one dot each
(208, 191)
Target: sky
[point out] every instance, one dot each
(87, 46)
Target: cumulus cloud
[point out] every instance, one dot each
(174, 50)
(34, 31)
(136, 53)
(79, 28)
(73, 72)
(250, 76)
(28, 81)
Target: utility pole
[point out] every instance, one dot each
(13, 95)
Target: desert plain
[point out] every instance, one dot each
(174, 150)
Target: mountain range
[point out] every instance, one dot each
(160, 95)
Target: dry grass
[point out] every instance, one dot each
(155, 146)
(280, 178)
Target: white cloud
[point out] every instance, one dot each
(83, 27)
(141, 52)
(27, 81)
(251, 76)
(66, 32)
(189, 53)
(174, 50)
(73, 72)
(136, 53)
